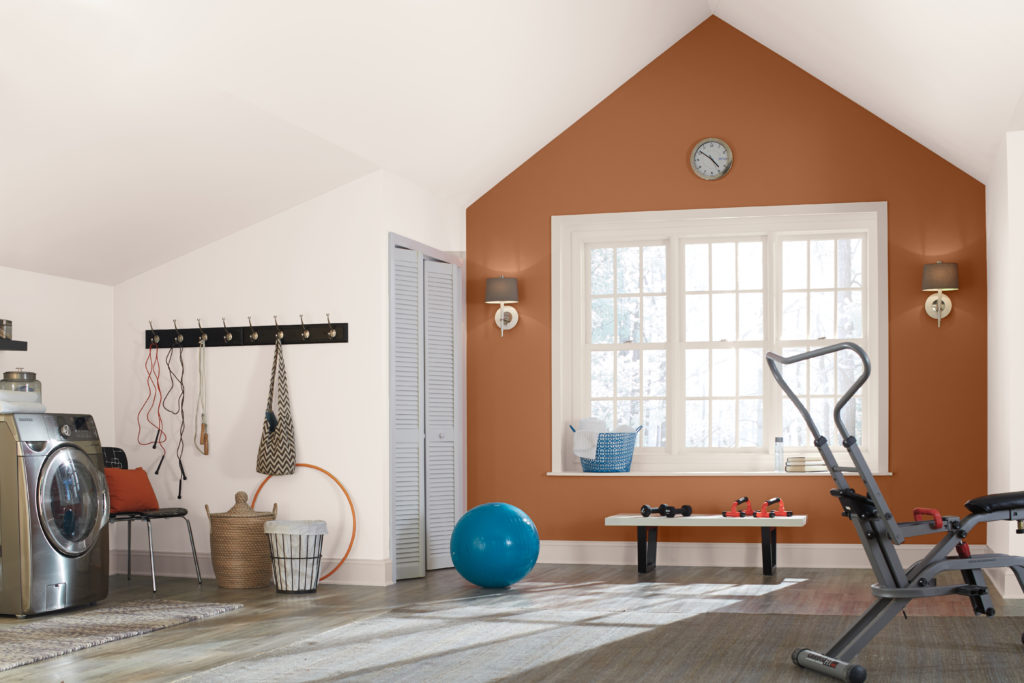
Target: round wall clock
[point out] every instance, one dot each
(711, 158)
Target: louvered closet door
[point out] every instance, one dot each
(408, 533)
(440, 288)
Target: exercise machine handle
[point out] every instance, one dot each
(774, 360)
(936, 516)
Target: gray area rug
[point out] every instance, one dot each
(42, 637)
(608, 632)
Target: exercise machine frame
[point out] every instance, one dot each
(879, 533)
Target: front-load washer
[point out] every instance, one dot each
(54, 507)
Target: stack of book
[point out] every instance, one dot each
(805, 463)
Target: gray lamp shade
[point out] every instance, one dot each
(940, 277)
(502, 290)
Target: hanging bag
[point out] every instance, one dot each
(277, 445)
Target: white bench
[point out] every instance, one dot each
(647, 533)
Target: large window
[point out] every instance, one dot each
(663, 319)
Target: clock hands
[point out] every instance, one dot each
(710, 157)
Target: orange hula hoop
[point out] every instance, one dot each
(350, 507)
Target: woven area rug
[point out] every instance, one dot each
(42, 637)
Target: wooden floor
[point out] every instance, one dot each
(270, 620)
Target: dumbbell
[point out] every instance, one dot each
(666, 510)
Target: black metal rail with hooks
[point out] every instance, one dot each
(247, 335)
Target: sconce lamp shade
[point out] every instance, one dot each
(502, 290)
(940, 277)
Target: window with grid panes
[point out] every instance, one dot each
(678, 310)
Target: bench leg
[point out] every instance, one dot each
(768, 550)
(646, 548)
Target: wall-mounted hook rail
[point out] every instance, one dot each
(250, 335)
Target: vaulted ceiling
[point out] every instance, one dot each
(134, 131)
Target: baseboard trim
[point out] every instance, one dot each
(352, 572)
(674, 554)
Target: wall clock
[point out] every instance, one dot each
(711, 158)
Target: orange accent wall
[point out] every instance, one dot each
(796, 141)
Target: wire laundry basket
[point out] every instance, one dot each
(614, 452)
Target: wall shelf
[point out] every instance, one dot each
(11, 345)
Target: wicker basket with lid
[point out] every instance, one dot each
(241, 556)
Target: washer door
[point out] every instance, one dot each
(73, 501)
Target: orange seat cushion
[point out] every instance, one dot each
(130, 490)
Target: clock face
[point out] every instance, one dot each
(711, 158)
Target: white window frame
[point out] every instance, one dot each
(570, 235)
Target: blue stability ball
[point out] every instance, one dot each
(494, 545)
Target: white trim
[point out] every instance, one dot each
(800, 555)
(179, 564)
(568, 233)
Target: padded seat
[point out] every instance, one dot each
(996, 502)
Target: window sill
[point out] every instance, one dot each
(760, 473)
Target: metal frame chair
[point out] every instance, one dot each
(879, 533)
(115, 457)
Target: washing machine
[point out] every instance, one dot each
(54, 507)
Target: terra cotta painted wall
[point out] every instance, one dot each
(796, 141)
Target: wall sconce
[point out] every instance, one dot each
(939, 277)
(503, 290)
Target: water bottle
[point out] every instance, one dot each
(779, 462)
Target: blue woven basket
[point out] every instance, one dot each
(614, 452)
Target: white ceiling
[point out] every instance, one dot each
(134, 131)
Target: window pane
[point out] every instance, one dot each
(627, 413)
(655, 319)
(851, 316)
(696, 424)
(848, 262)
(723, 266)
(749, 256)
(628, 373)
(602, 369)
(849, 368)
(794, 315)
(794, 264)
(750, 417)
(723, 372)
(823, 270)
(628, 281)
(629, 319)
(602, 321)
(822, 317)
(751, 317)
(697, 317)
(723, 424)
(654, 269)
(822, 371)
(603, 410)
(795, 374)
(794, 429)
(697, 276)
(655, 372)
(654, 433)
(821, 410)
(698, 372)
(602, 271)
(723, 317)
(751, 372)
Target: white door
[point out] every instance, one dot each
(427, 458)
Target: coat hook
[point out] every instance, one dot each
(202, 335)
(227, 332)
(156, 337)
(253, 334)
(279, 334)
(305, 332)
(178, 338)
(331, 332)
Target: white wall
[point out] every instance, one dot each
(1004, 196)
(68, 325)
(328, 255)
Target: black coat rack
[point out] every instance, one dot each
(248, 335)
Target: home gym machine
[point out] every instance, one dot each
(879, 534)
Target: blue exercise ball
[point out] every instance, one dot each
(494, 545)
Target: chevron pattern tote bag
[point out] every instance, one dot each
(277, 445)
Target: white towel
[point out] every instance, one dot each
(584, 440)
(21, 407)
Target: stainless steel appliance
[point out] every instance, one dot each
(54, 507)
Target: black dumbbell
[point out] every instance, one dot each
(667, 510)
